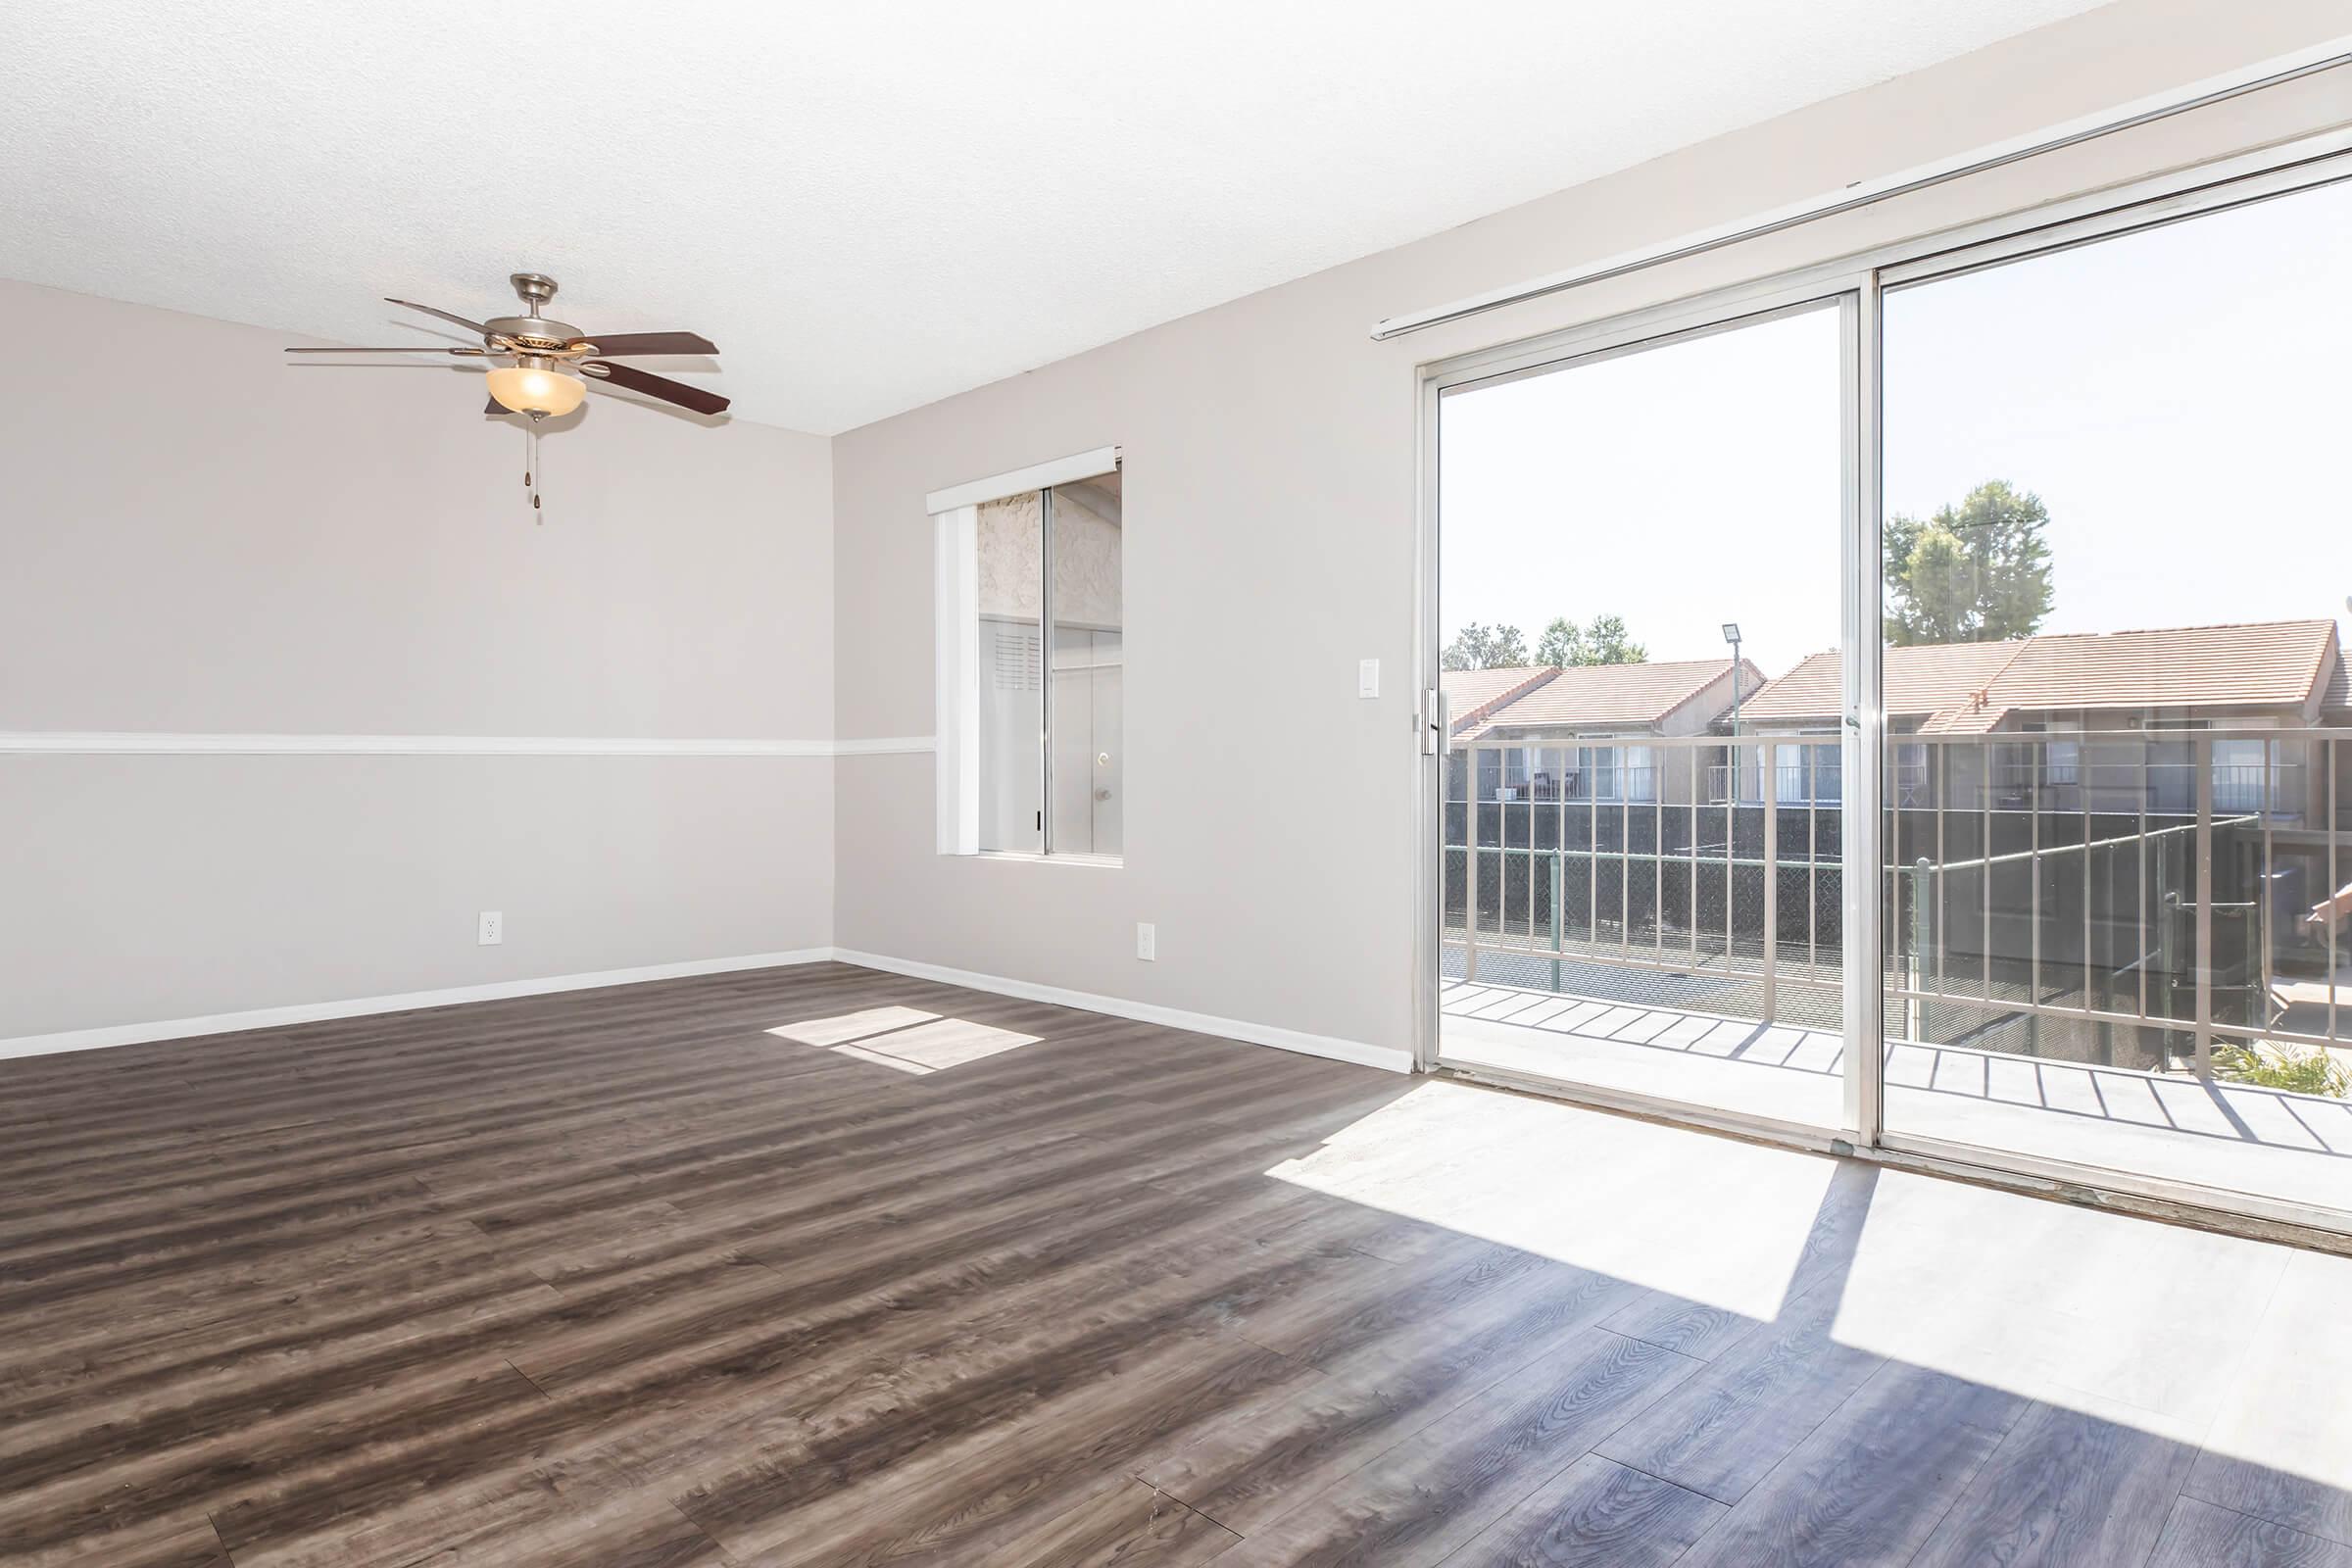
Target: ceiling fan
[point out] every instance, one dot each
(548, 365)
(539, 352)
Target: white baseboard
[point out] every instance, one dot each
(1389, 1058)
(222, 1023)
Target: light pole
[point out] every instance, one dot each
(1730, 634)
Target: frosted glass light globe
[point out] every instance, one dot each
(529, 389)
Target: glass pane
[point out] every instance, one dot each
(1011, 565)
(1642, 856)
(2115, 919)
(1089, 666)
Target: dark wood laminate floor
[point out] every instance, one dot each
(622, 1278)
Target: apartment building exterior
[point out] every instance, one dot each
(1586, 730)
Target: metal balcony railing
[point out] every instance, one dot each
(2127, 897)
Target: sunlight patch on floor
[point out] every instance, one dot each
(1706, 1218)
(851, 1025)
(2118, 1317)
(2301, 1347)
(905, 1039)
(2199, 1338)
(2233, 1345)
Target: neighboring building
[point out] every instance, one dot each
(1584, 727)
(2335, 713)
(2113, 715)
(2101, 839)
(2182, 756)
(1809, 701)
(1920, 682)
(1472, 695)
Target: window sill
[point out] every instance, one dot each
(1104, 862)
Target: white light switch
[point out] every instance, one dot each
(1367, 677)
(1147, 941)
(492, 930)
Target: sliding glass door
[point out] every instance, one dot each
(1643, 859)
(2117, 551)
(1905, 703)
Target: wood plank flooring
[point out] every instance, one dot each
(624, 1278)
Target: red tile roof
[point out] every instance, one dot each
(2265, 664)
(1946, 688)
(1632, 697)
(1472, 693)
(1969, 687)
(1918, 681)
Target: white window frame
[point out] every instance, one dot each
(956, 649)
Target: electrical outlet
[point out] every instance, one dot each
(1147, 941)
(493, 929)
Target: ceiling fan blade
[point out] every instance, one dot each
(494, 408)
(657, 386)
(650, 343)
(470, 326)
(405, 348)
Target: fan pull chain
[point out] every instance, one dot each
(530, 469)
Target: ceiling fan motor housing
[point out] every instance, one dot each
(532, 332)
(536, 334)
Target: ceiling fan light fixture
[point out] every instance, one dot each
(536, 390)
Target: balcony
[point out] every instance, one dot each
(2099, 950)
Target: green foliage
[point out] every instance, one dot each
(1600, 642)
(2298, 1071)
(1978, 571)
(1482, 646)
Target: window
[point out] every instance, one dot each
(2247, 774)
(1909, 783)
(1600, 766)
(2061, 756)
(1084, 709)
(1031, 661)
(1638, 774)
(1514, 775)
(1808, 774)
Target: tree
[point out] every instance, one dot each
(1602, 641)
(1978, 571)
(1605, 643)
(1562, 645)
(1482, 646)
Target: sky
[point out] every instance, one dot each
(2180, 398)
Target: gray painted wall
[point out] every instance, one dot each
(1270, 532)
(196, 536)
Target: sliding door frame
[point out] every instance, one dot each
(1858, 283)
(2299, 171)
(1839, 288)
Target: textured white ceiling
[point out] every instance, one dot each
(868, 205)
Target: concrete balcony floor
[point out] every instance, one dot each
(2228, 1137)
